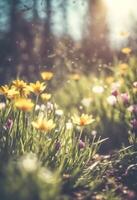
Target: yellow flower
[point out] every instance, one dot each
(19, 84)
(121, 81)
(24, 104)
(37, 87)
(123, 68)
(25, 92)
(109, 79)
(22, 87)
(134, 90)
(9, 93)
(43, 124)
(4, 90)
(126, 50)
(124, 34)
(75, 77)
(45, 96)
(12, 94)
(46, 76)
(82, 120)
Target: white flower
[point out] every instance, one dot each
(69, 125)
(111, 100)
(29, 163)
(45, 176)
(2, 105)
(50, 106)
(86, 102)
(98, 89)
(94, 132)
(42, 107)
(37, 107)
(59, 112)
(116, 85)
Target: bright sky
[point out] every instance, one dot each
(76, 10)
(76, 15)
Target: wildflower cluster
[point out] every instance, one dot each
(56, 150)
(109, 97)
(37, 136)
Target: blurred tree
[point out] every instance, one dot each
(17, 42)
(95, 43)
(132, 39)
(32, 42)
(48, 38)
(8, 43)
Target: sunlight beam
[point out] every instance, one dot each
(121, 15)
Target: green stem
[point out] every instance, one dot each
(37, 98)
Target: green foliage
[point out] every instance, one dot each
(110, 98)
(44, 151)
(25, 179)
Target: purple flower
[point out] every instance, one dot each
(8, 124)
(125, 98)
(133, 109)
(81, 144)
(115, 92)
(57, 145)
(134, 123)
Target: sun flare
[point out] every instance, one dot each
(120, 15)
(119, 5)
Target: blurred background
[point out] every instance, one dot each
(65, 36)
